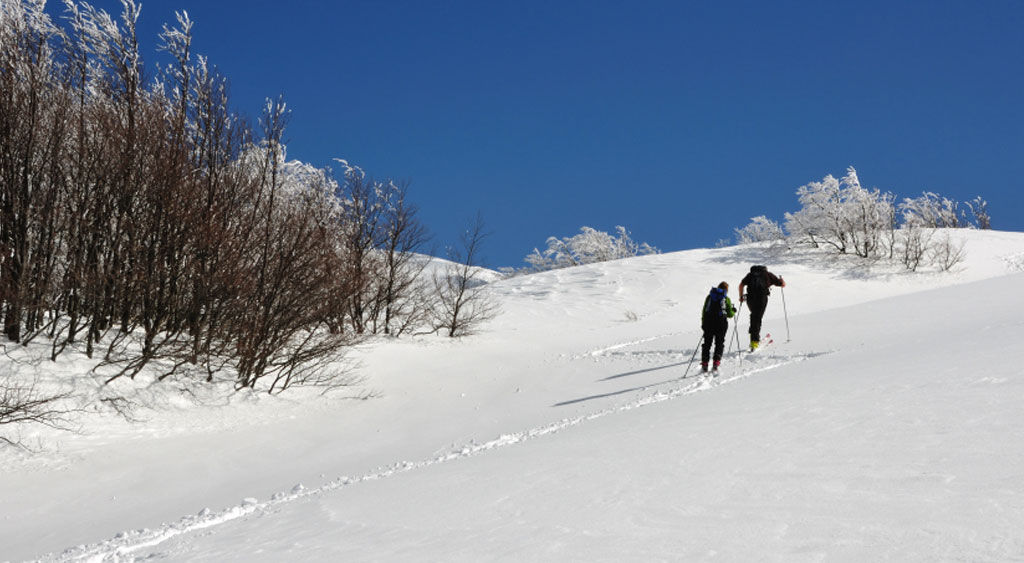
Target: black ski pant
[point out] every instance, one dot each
(757, 305)
(713, 334)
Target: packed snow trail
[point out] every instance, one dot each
(124, 545)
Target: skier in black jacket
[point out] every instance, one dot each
(714, 321)
(758, 283)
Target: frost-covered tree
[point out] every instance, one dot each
(588, 247)
(933, 211)
(842, 214)
(760, 229)
(979, 208)
(870, 217)
(819, 219)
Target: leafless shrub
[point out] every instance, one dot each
(404, 236)
(381, 238)
(912, 243)
(946, 253)
(462, 302)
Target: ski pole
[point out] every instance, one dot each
(735, 331)
(784, 312)
(693, 356)
(736, 334)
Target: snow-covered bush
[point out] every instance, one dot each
(979, 208)
(588, 247)
(760, 229)
(932, 210)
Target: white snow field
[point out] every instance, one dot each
(889, 426)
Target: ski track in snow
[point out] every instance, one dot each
(122, 546)
(605, 350)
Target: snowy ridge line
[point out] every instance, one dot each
(120, 548)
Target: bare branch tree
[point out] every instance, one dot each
(946, 253)
(362, 223)
(403, 236)
(462, 300)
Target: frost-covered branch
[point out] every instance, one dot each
(588, 247)
(760, 229)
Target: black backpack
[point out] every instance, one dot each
(758, 284)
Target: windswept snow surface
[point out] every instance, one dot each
(887, 427)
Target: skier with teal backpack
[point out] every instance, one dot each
(714, 321)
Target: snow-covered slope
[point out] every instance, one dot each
(887, 427)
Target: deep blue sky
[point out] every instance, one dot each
(679, 120)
